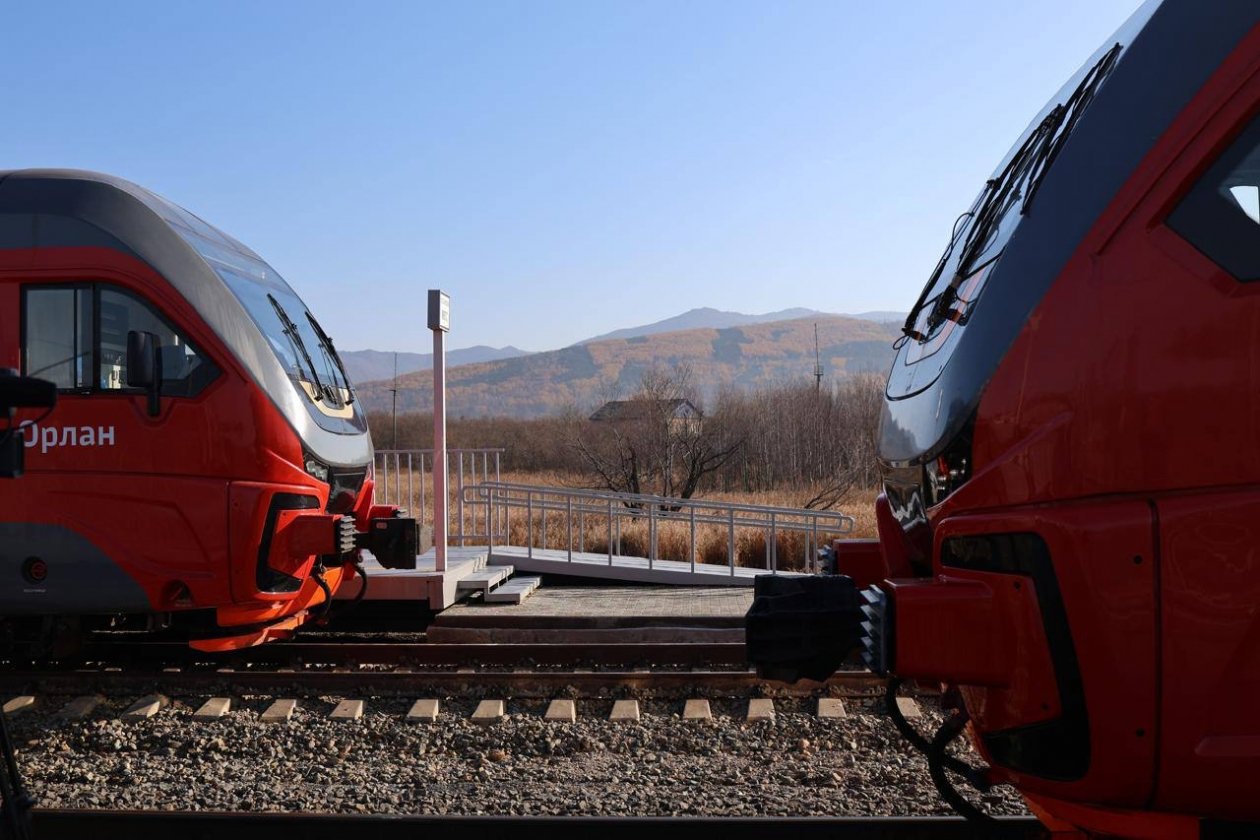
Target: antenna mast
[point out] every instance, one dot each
(818, 369)
(394, 392)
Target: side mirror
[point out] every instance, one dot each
(144, 369)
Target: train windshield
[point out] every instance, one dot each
(983, 230)
(305, 351)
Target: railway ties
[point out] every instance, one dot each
(428, 710)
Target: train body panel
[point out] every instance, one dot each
(1075, 410)
(224, 491)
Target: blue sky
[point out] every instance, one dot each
(562, 169)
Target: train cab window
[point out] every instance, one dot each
(58, 328)
(1220, 215)
(185, 371)
(57, 336)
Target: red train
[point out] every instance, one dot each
(1069, 535)
(206, 464)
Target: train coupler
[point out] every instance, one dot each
(393, 540)
(802, 627)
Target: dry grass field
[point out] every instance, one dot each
(630, 530)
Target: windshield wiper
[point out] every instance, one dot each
(1017, 183)
(291, 330)
(907, 329)
(331, 351)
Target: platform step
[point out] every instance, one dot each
(485, 579)
(514, 591)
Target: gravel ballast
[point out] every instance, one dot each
(794, 765)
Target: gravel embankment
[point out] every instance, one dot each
(796, 765)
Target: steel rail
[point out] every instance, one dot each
(525, 684)
(426, 653)
(205, 825)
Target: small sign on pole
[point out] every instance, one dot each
(439, 310)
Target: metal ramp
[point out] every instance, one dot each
(642, 539)
(621, 568)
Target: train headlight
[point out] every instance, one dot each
(948, 471)
(317, 470)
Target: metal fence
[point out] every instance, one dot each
(404, 477)
(600, 516)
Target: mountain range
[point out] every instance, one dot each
(749, 354)
(369, 365)
(372, 365)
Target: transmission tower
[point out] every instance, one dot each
(818, 370)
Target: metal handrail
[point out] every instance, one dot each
(497, 497)
(396, 472)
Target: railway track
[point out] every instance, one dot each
(422, 654)
(519, 683)
(122, 663)
(126, 825)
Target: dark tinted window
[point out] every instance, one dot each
(1221, 215)
(59, 323)
(58, 336)
(185, 371)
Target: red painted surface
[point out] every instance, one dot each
(1123, 426)
(179, 500)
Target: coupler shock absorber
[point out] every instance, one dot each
(392, 537)
(802, 627)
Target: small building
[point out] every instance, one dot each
(624, 411)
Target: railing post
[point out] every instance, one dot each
(610, 530)
(651, 533)
(812, 549)
(459, 504)
(774, 544)
(691, 509)
(568, 521)
(529, 523)
(489, 492)
(730, 540)
(397, 478)
(542, 540)
(411, 496)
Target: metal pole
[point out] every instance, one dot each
(394, 392)
(730, 540)
(529, 523)
(440, 500)
(610, 531)
(568, 521)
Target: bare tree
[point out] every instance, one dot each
(657, 442)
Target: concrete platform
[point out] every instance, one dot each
(624, 614)
(424, 583)
(611, 606)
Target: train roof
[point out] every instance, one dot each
(69, 207)
(64, 208)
